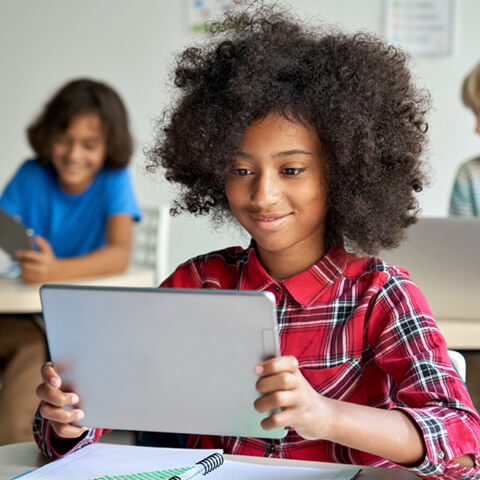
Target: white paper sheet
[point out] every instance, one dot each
(107, 459)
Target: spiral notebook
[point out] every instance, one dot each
(124, 462)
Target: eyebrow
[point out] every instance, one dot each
(287, 153)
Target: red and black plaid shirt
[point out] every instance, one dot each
(362, 332)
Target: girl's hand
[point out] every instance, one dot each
(38, 266)
(283, 387)
(53, 399)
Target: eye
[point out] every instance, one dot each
(292, 171)
(90, 146)
(241, 172)
(62, 140)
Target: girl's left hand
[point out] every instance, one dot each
(283, 387)
(38, 266)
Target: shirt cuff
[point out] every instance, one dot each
(439, 461)
(42, 434)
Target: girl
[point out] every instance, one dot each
(77, 196)
(311, 140)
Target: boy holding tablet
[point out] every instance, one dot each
(312, 142)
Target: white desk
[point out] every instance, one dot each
(19, 458)
(19, 297)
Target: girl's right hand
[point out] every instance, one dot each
(53, 399)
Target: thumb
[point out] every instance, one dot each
(43, 244)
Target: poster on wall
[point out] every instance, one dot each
(202, 12)
(425, 28)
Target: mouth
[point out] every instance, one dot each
(72, 168)
(270, 221)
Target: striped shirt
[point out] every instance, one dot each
(465, 199)
(362, 332)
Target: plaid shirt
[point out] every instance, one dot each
(362, 332)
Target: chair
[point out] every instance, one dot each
(151, 240)
(459, 363)
(163, 242)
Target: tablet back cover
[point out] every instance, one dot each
(163, 359)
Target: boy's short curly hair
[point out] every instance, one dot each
(353, 89)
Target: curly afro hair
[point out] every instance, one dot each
(354, 90)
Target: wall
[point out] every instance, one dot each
(132, 44)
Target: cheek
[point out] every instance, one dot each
(233, 193)
(58, 151)
(97, 159)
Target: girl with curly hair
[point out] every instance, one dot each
(311, 140)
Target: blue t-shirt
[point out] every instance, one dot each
(73, 224)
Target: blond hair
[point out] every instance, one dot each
(471, 90)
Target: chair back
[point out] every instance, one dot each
(459, 363)
(152, 235)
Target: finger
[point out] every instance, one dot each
(19, 254)
(61, 415)
(50, 375)
(30, 256)
(275, 400)
(32, 278)
(32, 268)
(275, 365)
(278, 419)
(280, 381)
(55, 397)
(42, 244)
(66, 430)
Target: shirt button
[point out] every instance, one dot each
(269, 447)
(440, 454)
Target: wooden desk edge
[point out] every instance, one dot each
(21, 298)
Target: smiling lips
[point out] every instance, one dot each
(270, 221)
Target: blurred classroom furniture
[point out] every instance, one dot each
(19, 297)
(163, 241)
(441, 256)
(151, 244)
(459, 362)
(18, 458)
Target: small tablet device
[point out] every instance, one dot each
(167, 360)
(13, 235)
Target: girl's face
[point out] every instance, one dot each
(79, 153)
(277, 190)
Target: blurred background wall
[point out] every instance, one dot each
(131, 45)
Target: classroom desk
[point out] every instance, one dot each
(460, 333)
(19, 297)
(19, 458)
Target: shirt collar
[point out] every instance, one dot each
(306, 287)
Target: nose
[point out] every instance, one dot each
(74, 151)
(266, 190)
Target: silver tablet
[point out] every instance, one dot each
(165, 360)
(13, 235)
